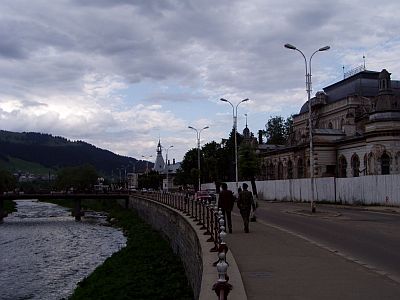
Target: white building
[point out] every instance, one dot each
(356, 132)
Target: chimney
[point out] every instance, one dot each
(168, 162)
(173, 161)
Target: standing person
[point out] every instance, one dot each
(245, 203)
(226, 201)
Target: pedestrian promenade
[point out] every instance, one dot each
(275, 264)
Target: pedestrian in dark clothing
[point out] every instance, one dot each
(245, 203)
(226, 201)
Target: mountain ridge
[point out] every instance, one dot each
(56, 152)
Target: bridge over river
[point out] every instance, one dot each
(78, 197)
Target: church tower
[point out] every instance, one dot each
(159, 165)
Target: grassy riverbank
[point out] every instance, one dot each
(10, 206)
(145, 269)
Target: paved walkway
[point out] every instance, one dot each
(276, 264)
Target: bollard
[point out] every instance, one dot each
(208, 207)
(222, 287)
(195, 209)
(192, 214)
(200, 213)
(211, 239)
(203, 218)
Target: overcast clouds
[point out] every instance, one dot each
(121, 74)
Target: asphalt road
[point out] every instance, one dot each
(367, 237)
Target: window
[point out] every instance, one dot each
(280, 170)
(289, 169)
(300, 168)
(271, 171)
(355, 165)
(342, 167)
(385, 164)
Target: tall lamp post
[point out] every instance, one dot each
(166, 163)
(309, 89)
(198, 132)
(234, 112)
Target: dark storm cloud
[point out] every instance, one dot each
(79, 53)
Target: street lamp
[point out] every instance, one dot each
(166, 163)
(309, 89)
(198, 132)
(234, 112)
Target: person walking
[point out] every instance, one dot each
(226, 201)
(245, 203)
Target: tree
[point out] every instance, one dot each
(248, 161)
(151, 180)
(186, 174)
(277, 130)
(249, 164)
(7, 181)
(81, 178)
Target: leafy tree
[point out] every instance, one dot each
(7, 181)
(212, 154)
(277, 130)
(81, 178)
(187, 174)
(151, 180)
(248, 161)
(249, 164)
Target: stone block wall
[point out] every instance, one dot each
(177, 229)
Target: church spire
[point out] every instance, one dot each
(159, 165)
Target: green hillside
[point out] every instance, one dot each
(40, 153)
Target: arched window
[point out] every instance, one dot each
(289, 169)
(280, 170)
(342, 167)
(300, 168)
(385, 164)
(263, 172)
(355, 165)
(330, 126)
(271, 171)
(397, 161)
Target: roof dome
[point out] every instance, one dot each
(304, 108)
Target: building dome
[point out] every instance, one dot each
(304, 108)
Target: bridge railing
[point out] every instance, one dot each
(204, 213)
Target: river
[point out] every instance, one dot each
(44, 253)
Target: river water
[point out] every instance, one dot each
(44, 253)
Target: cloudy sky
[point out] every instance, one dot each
(121, 74)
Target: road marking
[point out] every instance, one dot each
(334, 251)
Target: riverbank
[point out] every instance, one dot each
(145, 269)
(9, 206)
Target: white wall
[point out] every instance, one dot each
(374, 189)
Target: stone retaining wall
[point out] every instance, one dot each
(179, 232)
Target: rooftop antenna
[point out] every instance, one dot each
(246, 119)
(344, 76)
(364, 61)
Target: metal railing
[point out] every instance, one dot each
(204, 213)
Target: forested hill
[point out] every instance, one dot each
(57, 152)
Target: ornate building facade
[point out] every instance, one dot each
(356, 132)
